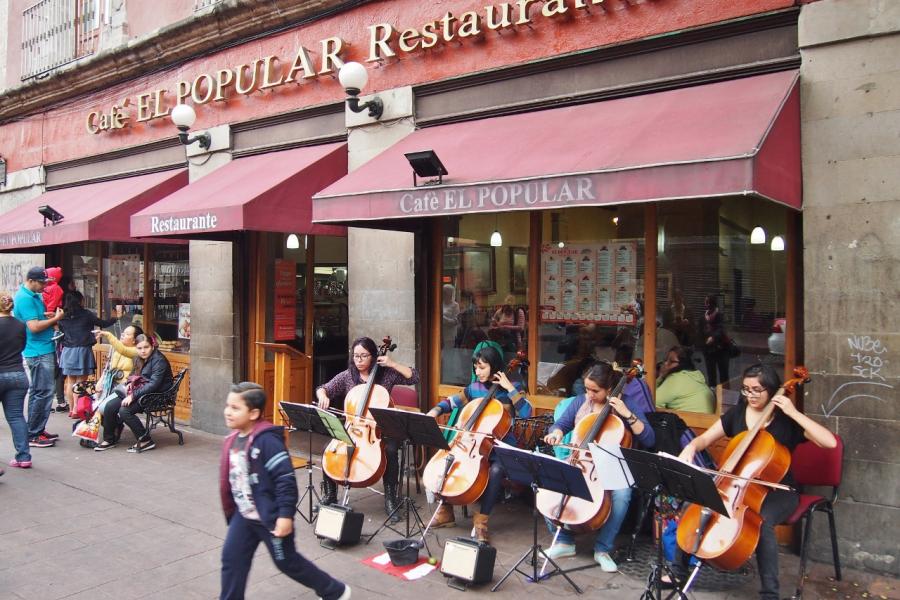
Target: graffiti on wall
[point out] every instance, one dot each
(868, 358)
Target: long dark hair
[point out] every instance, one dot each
(138, 361)
(685, 360)
(72, 301)
(767, 375)
(603, 375)
(370, 346)
(489, 355)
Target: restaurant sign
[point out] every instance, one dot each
(21, 238)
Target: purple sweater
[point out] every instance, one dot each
(386, 377)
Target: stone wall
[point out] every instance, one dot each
(851, 171)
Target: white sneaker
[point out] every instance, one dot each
(607, 564)
(558, 551)
(345, 595)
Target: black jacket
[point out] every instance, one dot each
(158, 373)
(77, 328)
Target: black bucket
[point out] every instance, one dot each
(403, 552)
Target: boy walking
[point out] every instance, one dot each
(259, 496)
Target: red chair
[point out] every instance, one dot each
(406, 397)
(814, 466)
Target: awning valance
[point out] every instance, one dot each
(738, 137)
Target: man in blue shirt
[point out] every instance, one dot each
(39, 353)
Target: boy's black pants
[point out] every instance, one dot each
(237, 556)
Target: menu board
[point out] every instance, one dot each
(589, 282)
(126, 277)
(285, 309)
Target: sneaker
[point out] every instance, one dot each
(20, 464)
(345, 595)
(607, 564)
(41, 442)
(143, 446)
(104, 446)
(62, 407)
(50, 436)
(558, 551)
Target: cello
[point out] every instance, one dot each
(459, 475)
(751, 461)
(364, 462)
(577, 514)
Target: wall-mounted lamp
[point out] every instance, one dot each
(777, 244)
(615, 221)
(2, 171)
(426, 164)
(353, 78)
(183, 116)
(50, 215)
(758, 236)
(292, 242)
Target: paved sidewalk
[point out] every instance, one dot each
(96, 526)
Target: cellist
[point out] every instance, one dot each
(789, 427)
(489, 368)
(599, 379)
(363, 354)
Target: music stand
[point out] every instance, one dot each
(664, 474)
(548, 473)
(411, 428)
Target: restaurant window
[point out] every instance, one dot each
(331, 316)
(170, 281)
(591, 292)
(721, 289)
(484, 289)
(123, 285)
(82, 264)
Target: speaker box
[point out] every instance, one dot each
(468, 560)
(340, 525)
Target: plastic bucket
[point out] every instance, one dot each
(403, 552)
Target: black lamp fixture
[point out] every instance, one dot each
(353, 78)
(426, 164)
(183, 116)
(2, 171)
(50, 214)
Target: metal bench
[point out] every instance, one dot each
(159, 407)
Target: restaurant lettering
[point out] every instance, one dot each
(180, 224)
(271, 72)
(21, 238)
(516, 194)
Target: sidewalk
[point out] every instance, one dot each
(113, 525)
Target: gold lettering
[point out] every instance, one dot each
(469, 25)
(303, 63)
(118, 118)
(408, 40)
(143, 107)
(159, 104)
(90, 124)
(379, 42)
(429, 37)
(195, 89)
(331, 51)
(269, 64)
(505, 19)
(104, 121)
(524, 6)
(447, 21)
(183, 91)
(224, 78)
(238, 80)
(553, 8)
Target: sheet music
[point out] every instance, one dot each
(611, 465)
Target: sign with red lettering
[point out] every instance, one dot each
(285, 309)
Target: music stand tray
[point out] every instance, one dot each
(411, 428)
(544, 472)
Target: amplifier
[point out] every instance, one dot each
(339, 525)
(468, 561)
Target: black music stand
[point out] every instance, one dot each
(663, 474)
(412, 428)
(548, 473)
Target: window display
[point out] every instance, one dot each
(170, 282)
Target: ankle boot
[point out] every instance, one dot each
(329, 491)
(480, 522)
(391, 501)
(444, 517)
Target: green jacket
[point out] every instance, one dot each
(687, 391)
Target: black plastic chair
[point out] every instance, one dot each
(159, 408)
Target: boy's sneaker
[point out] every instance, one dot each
(41, 442)
(50, 436)
(21, 464)
(345, 595)
(62, 407)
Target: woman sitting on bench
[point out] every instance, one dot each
(155, 376)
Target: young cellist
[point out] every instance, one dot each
(599, 380)
(789, 427)
(489, 369)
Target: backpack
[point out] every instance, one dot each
(673, 434)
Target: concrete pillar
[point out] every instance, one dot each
(851, 220)
(215, 340)
(380, 263)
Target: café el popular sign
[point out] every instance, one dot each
(384, 42)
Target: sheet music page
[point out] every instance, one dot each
(685, 463)
(611, 465)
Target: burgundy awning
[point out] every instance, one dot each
(267, 192)
(739, 137)
(93, 212)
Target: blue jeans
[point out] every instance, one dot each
(43, 388)
(606, 537)
(13, 387)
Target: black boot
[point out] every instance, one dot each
(329, 491)
(391, 501)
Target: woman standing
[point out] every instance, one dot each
(155, 376)
(681, 386)
(363, 356)
(13, 382)
(715, 342)
(76, 361)
(789, 427)
(598, 382)
(508, 323)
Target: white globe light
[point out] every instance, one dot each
(183, 115)
(496, 239)
(758, 236)
(293, 242)
(777, 244)
(353, 75)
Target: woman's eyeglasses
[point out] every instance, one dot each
(753, 391)
(361, 356)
